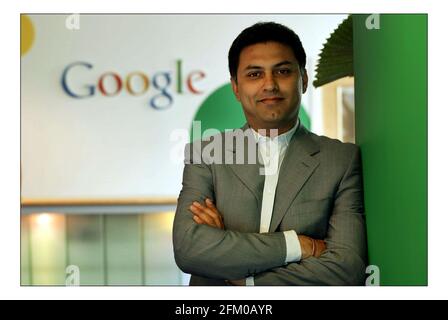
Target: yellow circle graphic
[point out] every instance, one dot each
(26, 34)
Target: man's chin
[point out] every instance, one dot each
(274, 121)
(272, 118)
(271, 123)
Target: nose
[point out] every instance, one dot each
(270, 84)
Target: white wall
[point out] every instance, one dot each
(119, 146)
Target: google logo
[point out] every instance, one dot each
(136, 83)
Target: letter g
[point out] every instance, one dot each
(91, 88)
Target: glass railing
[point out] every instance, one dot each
(98, 245)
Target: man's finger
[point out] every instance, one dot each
(320, 244)
(211, 205)
(204, 216)
(214, 215)
(215, 212)
(198, 220)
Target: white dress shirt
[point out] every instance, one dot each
(272, 152)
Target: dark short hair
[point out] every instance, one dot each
(262, 32)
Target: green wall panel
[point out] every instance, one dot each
(390, 66)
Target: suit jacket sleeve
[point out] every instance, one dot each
(344, 261)
(211, 252)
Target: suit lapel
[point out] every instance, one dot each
(249, 174)
(297, 167)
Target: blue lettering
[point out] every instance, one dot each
(91, 88)
(162, 89)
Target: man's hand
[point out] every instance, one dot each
(208, 214)
(311, 247)
(241, 282)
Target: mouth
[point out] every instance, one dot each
(271, 100)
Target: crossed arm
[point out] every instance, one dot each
(208, 214)
(203, 248)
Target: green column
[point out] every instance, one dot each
(390, 66)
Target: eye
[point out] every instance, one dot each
(283, 71)
(254, 74)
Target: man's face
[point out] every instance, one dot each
(269, 85)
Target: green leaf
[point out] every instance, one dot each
(336, 58)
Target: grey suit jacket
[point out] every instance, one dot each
(319, 194)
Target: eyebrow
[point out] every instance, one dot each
(255, 67)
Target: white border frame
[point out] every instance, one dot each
(10, 170)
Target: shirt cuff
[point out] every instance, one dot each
(250, 281)
(293, 249)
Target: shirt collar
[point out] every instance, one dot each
(284, 138)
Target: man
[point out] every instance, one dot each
(292, 217)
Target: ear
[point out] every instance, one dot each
(235, 88)
(304, 81)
